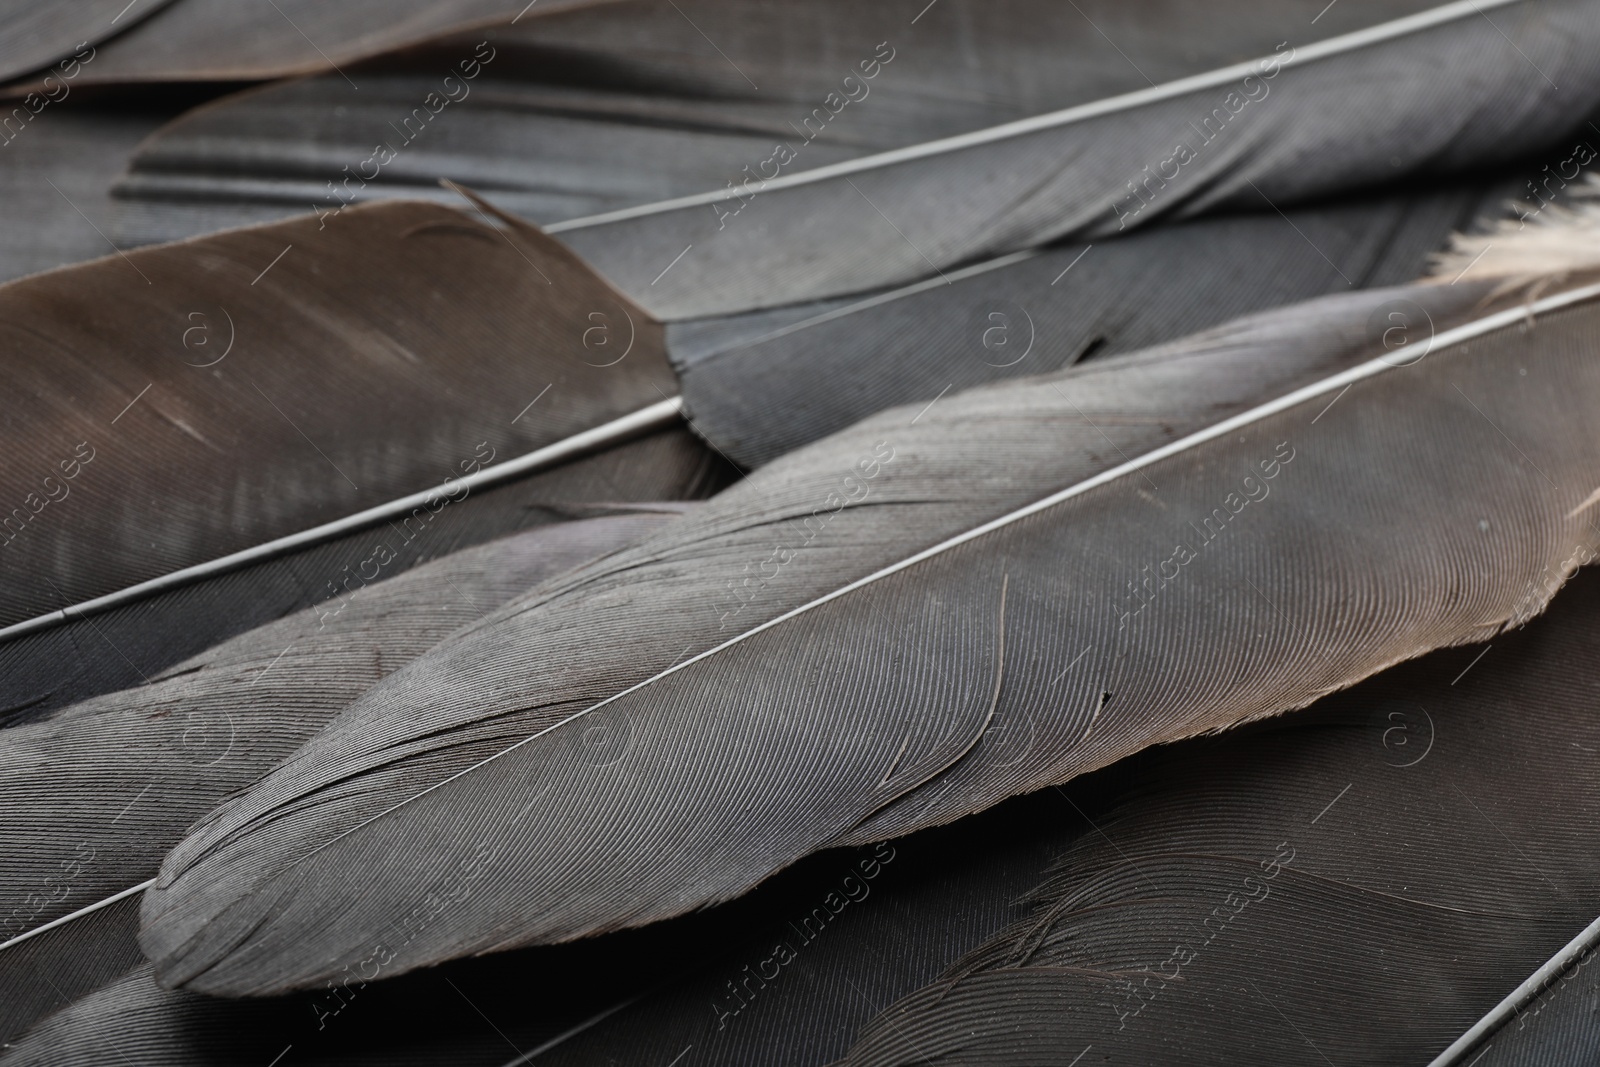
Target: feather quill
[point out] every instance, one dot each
(1433, 92)
(927, 900)
(763, 384)
(49, 973)
(127, 644)
(1558, 1027)
(93, 797)
(433, 1018)
(788, 686)
(1344, 110)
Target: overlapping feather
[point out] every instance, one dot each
(92, 798)
(1355, 886)
(876, 716)
(764, 210)
(176, 404)
(562, 109)
(1365, 789)
(123, 646)
(174, 41)
(762, 384)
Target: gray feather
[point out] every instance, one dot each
(92, 798)
(557, 127)
(61, 36)
(223, 41)
(762, 384)
(557, 123)
(1355, 885)
(79, 152)
(1436, 100)
(865, 713)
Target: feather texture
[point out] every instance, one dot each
(33, 36)
(1560, 241)
(216, 40)
(1511, 718)
(190, 400)
(762, 384)
(868, 364)
(91, 799)
(56, 167)
(1354, 886)
(1326, 118)
(52, 971)
(915, 908)
(841, 713)
(1559, 1028)
(563, 108)
(126, 645)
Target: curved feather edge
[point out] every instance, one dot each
(825, 686)
(759, 385)
(94, 796)
(212, 40)
(1352, 884)
(1353, 784)
(258, 382)
(578, 100)
(63, 36)
(1090, 171)
(1440, 91)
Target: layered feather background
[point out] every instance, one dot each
(637, 531)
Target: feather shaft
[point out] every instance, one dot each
(655, 416)
(1334, 46)
(1531, 987)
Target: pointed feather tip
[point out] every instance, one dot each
(500, 219)
(1542, 246)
